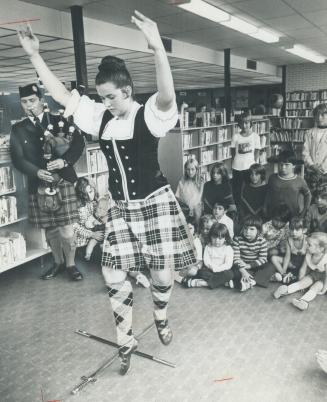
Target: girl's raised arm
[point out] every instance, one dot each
(165, 83)
(31, 45)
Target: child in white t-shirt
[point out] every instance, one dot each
(219, 212)
(245, 148)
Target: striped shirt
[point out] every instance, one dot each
(253, 252)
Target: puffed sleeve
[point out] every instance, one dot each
(86, 112)
(159, 122)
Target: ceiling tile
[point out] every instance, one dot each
(308, 6)
(265, 9)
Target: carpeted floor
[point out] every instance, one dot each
(263, 348)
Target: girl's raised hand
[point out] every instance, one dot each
(149, 29)
(28, 40)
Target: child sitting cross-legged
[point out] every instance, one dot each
(288, 266)
(217, 261)
(313, 273)
(250, 257)
(276, 230)
(219, 212)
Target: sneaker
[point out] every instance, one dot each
(142, 280)
(74, 273)
(164, 331)
(277, 277)
(245, 285)
(229, 284)
(53, 271)
(281, 291)
(125, 354)
(186, 282)
(300, 304)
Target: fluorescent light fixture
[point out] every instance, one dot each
(265, 36)
(240, 25)
(213, 13)
(307, 54)
(205, 10)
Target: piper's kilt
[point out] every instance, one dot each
(66, 215)
(149, 233)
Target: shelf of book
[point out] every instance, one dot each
(31, 254)
(21, 219)
(302, 103)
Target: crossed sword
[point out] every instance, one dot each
(92, 377)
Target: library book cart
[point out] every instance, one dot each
(209, 144)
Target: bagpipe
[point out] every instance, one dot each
(55, 146)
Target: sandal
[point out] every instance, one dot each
(164, 331)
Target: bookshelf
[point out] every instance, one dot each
(210, 144)
(289, 132)
(93, 165)
(302, 103)
(20, 242)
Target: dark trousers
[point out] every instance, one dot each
(239, 177)
(261, 274)
(215, 279)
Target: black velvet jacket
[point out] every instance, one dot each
(26, 148)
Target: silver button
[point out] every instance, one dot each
(107, 146)
(126, 157)
(41, 139)
(25, 142)
(117, 181)
(114, 169)
(122, 147)
(129, 168)
(132, 181)
(118, 192)
(110, 157)
(134, 193)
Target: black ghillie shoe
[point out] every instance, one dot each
(74, 273)
(164, 331)
(53, 271)
(125, 354)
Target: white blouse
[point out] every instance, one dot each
(88, 116)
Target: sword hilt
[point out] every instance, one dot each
(86, 380)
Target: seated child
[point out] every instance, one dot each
(190, 187)
(97, 223)
(253, 193)
(218, 189)
(313, 273)
(192, 270)
(316, 218)
(275, 231)
(206, 221)
(286, 187)
(86, 195)
(217, 260)
(219, 212)
(250, 257)
(288, 266)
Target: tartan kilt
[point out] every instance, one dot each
(66, 215)
(149, 233)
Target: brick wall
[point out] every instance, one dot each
(306, 77)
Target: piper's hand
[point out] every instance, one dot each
(149, 29)
(45, 175)
(57, 164)
(28, 40)
(98, 236)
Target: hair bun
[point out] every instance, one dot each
(111, 63)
